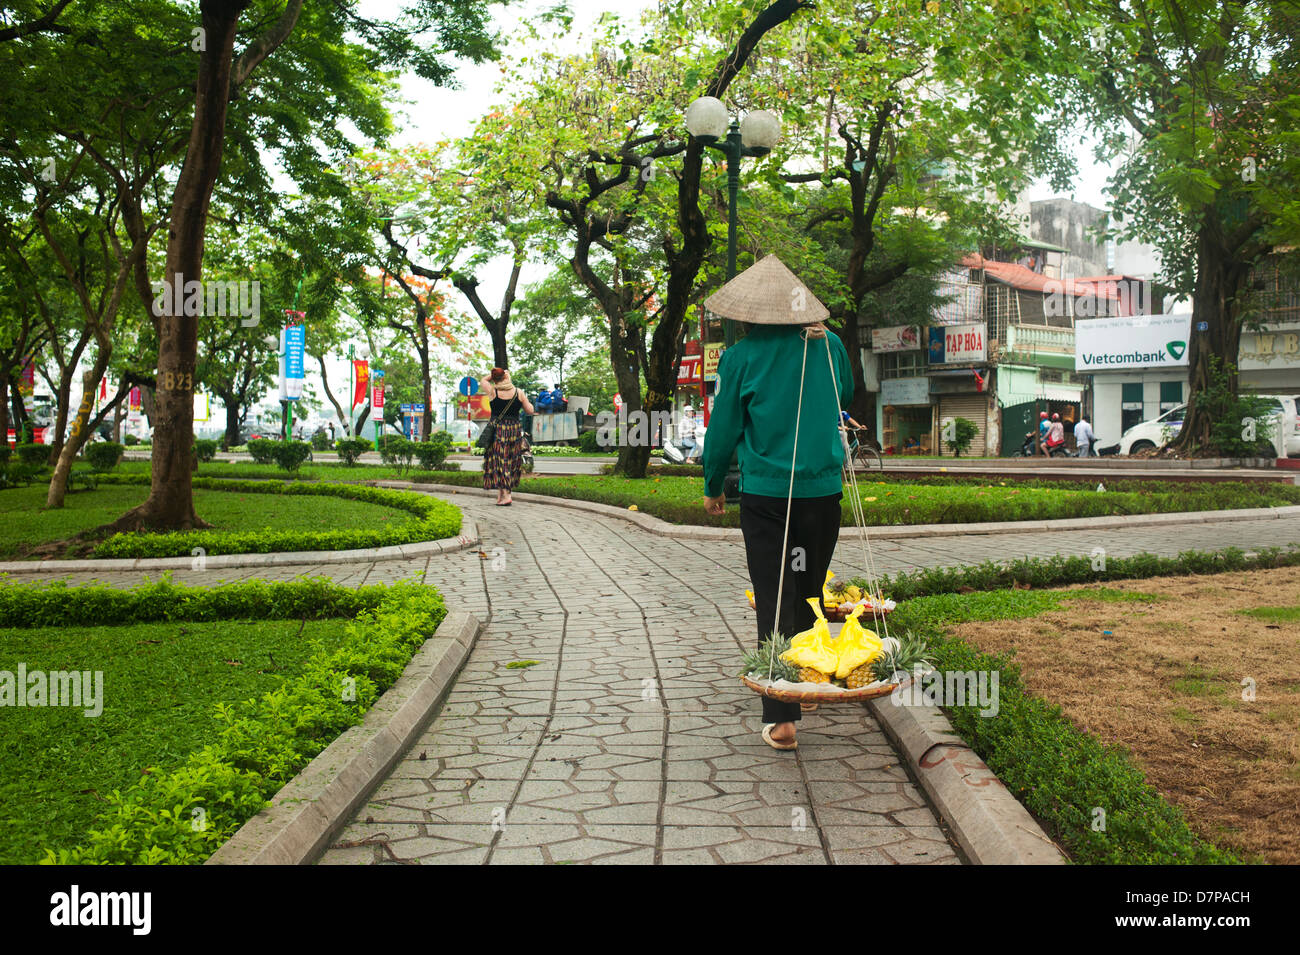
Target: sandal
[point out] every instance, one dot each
(777, 744)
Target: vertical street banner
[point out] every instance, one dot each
(361, 375)
(294, 344)
(133, 402)
(377, 390)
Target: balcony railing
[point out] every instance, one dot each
(1029, 339)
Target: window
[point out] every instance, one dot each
(1131, 391)
(1171, 394)
(902, 364)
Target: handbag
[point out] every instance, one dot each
(489, 433)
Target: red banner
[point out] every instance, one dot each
(133, 403)
(377, 395)
(361, 366)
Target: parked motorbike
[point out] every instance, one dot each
(1029, 448)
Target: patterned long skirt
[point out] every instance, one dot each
(502, 460)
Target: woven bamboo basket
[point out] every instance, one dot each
(835, 614)
(860, 695)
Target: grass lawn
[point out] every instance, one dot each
(897, 501)
(1200, 703)
(162, 683)
(24, 523)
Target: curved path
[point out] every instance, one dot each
(631, 740)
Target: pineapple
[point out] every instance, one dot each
(809, 675)
(909, 654)
(860, 677)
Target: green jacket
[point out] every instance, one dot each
(754, 414)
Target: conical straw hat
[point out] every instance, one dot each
(767, 293)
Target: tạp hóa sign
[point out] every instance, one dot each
(957, 344)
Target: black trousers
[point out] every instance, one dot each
(814, 531)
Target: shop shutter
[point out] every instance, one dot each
(972, 407)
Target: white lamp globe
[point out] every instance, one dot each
(760, 130)
(363, 351)
(272, 341)
(706, 118)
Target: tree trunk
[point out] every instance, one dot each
(80, 434)
(426, 378)
(231, 438)
(20, 422)
(338, 408)
(1220, 276)
(170, 505)
(4, 408)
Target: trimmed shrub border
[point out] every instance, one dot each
(307, 814)
(1061, 571)
(437, 520)
(471, 483)
(56, 604)
(263, 743)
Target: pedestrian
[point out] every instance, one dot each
(331, 424)
(785, 477)
(502, 459)
(1083, 437)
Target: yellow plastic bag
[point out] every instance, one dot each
(855, 645)
(829, 599)
(812, 648)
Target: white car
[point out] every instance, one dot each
(1156, 433)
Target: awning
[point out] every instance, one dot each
(1060, 393)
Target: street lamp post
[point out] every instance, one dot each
(707, 120)
(755, 135)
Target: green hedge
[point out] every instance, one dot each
(34, 454)
(261, 744)
(436, 520)
(103, 456)
(57, 604)
(1060, 570)
(205, 449)
(350, 449)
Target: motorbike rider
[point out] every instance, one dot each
(1055, 435)
(1043, 427)
(686, 434)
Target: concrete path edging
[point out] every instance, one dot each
(988, 822)
(313, 806)
(662, 528)
(468, 537)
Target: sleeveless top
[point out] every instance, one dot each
(498, 405)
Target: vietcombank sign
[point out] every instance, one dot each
(1137, 341)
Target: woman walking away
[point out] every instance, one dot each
(501, 458)
(780, 393)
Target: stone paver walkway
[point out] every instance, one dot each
(631, 740)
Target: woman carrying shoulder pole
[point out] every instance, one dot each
(778, 408)
(502, 459)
